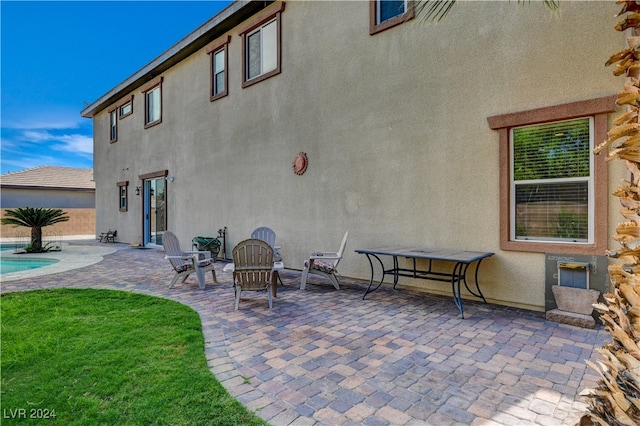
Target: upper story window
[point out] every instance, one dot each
(113, 125)
(553, 189)
(126, 108)
(384, 14)
(261, 46)
(153, 103)
(219, 72)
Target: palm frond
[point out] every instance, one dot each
(432, 10)
(436, 10)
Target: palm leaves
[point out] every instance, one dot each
(36, 219)
(435, 10)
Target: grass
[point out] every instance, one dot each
(108, 357)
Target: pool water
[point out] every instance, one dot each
(17, 265)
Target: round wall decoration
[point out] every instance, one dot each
(300, 163)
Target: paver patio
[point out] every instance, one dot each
(323, 356)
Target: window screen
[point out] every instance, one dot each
(552, 181)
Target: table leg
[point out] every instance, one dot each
(457, 275)
(369, 290)
(479, 294)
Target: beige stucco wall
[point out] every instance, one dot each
(394, 126)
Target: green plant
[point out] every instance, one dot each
(571, 225)
(211, 244)
(107, 357)
(36, 219)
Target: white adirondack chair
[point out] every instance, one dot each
(324, 264)
(267, 234)
(185, 263)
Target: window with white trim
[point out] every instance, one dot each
(548, 137)
(125, 109)
(153, 103)
(262, 50)
(219, 73)
(384, 14)
(113, 126)
(123, 196)
(552, 182)
(389, 9)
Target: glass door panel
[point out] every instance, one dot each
(154, 210)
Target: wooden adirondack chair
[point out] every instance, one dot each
(253, 268)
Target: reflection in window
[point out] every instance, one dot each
(552, 182)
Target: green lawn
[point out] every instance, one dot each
(108, 357)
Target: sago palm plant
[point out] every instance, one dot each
(35, 218)
(616, 398)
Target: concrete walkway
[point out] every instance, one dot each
(327, 357)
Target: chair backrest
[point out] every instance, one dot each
(172, 248)
(253, 263)
(265, 234)
(343, 244)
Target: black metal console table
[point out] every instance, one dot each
(461, 260)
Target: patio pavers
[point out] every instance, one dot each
(327, 357)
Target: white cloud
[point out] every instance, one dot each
(76, 143)
(54, 119)
(80, 144)
(43, 123)
(36, 136)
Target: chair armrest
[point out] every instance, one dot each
(206, 254)
(182, 257)
(324, 255)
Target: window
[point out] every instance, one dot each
(384, 14)
(125, 109)
(262, 50)
(123, 195)
(219, 73)
(153, 103)
(261, 47)
(552, 182)
(553, 188)
(113, 126)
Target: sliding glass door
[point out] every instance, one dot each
(154, 210)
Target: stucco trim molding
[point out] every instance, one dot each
(160, 173)
(602, 105)
(599, 108)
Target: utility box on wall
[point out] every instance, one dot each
(573, 274)
(577, 271)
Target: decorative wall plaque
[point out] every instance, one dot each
(300, 162)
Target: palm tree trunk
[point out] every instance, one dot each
(36, 238)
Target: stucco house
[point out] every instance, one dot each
(68, 188)
(475, 133)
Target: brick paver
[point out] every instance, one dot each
(327, 357)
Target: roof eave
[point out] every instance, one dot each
(222, 22)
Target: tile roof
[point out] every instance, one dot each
(50, 177)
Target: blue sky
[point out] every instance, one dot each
(57, 55)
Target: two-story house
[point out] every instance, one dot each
(476, 132)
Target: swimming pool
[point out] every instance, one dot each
(8, 265)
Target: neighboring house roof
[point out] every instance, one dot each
(226, 19)
(50, 177)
